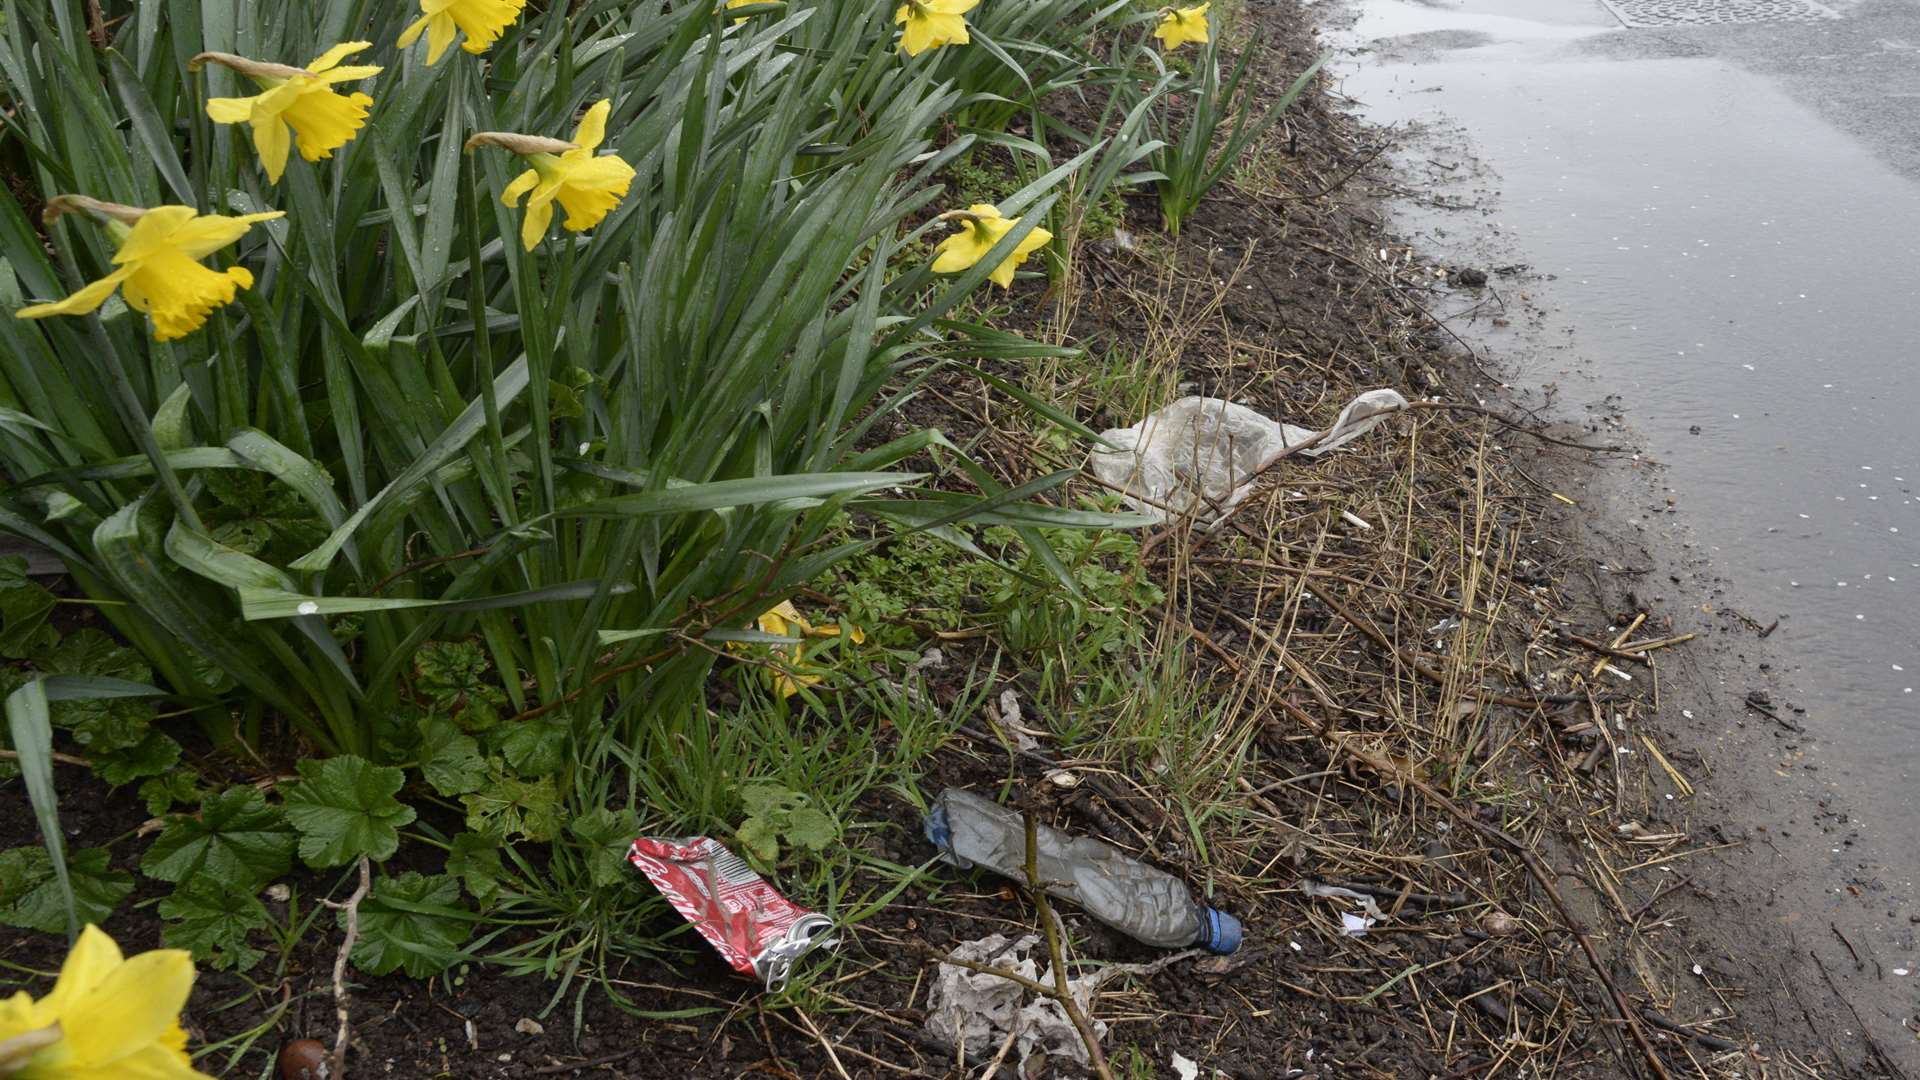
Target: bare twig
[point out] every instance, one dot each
(342, 999)
(1062, 993)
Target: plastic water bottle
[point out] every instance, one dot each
(1148, 905)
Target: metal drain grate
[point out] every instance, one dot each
(1716, 12)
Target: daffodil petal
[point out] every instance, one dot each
(153, 232)
(81, 301)
(271, 140)
(94, 955)
(155, 1062)
(330, 59)
(412, 33)
(512, 193)
(347, 74)
(953, 257)
(593, 126)
(440, 32)
(202, 236)
(539, 217)
(230, 110)
(128, 1009)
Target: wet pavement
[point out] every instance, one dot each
(1720, 225)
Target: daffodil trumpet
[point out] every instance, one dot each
(295, 105)
(586, 185)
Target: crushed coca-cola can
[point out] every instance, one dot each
(752, 927)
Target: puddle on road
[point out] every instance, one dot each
(1726, 261)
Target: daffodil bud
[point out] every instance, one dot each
(259, 71)
(61, 205)
(524, 145)
(17, 1051)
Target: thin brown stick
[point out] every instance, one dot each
(824, 1044)
(1062, 993)
(342, 999)
(63, 759)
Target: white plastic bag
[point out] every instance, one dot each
(1197, 455)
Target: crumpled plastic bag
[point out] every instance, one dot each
(1199, 453)
(981, 1010)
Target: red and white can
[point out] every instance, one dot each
(754, 928)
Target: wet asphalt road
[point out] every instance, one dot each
(1724, 222)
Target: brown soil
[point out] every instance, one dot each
(1417, 718)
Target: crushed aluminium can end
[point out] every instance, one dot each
(752, 927)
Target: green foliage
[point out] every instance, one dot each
(450, 759)
(236, 841)
(604, 836)
(475, 859)
(212, 920)
(452, 522)
(776, 816)
(508, 807)
(456, 677)
(163, 792)
(24, 607)
(412, 923)
(344, 808)
(915, 586)
(30, 894)
(1193, 159)
(1105, 615)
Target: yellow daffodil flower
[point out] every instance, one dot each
(981, 228)
(929, 24)
(785, 619)
(588, 187)
(157, 268)
(482, 21)
(740, 3)
(298, 99)
(106, 1017)
(1181, 25)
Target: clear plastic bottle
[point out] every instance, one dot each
(1148, 905)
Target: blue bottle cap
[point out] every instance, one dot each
(1223, 932)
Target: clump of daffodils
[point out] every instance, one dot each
(481, 21)
(1181, 25)
(108, 1016)
(294, 103)
(930, 24)
(157, 267)
(588, 187)
(981, 227)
